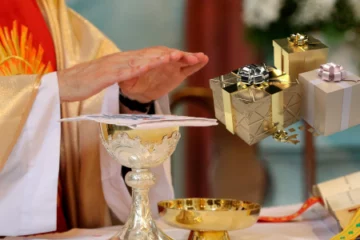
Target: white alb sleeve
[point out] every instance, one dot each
(29, 180)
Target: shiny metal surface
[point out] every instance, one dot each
(139, 150)
(209, 218)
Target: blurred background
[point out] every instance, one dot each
(211, 162)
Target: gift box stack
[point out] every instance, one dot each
(257, 101)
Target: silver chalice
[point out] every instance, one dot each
(140, 150)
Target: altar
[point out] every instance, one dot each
(314, 225)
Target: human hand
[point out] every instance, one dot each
(162, 79)
(143, 75)
(87, 79)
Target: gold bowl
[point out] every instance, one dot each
(209, 218)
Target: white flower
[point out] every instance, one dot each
(310, 11)
(260, 13)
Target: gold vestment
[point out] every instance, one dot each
(76, 40)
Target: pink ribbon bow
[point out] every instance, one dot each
(332, 72)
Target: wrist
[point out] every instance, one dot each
(135, 104)
(136, 97)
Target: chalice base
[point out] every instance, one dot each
(153, 233)
(209, 235)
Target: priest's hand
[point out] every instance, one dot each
(150, 73)
(164, 78)
(89, 78)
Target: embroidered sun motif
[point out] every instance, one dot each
(18, 55)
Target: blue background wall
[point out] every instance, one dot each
(136, 23)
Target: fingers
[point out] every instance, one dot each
(147, 63)
(127, 65)
(152, 52)
(187, 58)
(135, 68)
(176, 55)
(132, 64)
(189, 70)
(189, 62)
(190, 59)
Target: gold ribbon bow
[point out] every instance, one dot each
(298, 39)
(281, 135)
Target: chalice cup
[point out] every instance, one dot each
(139, 150)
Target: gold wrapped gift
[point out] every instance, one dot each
(299, 53)
(331, 99)
(252, 111)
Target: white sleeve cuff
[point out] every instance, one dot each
(29, 180)
(115, 191)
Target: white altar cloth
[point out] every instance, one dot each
(315, 226)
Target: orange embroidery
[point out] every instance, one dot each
(18, 55)
(310, 202)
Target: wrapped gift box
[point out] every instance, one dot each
(341, 197)
(248, 112)
(299, 54)
(330, 106)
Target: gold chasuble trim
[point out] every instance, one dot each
(76, 40)
(15, 109)
(21, 67)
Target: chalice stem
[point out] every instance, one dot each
(140, 224)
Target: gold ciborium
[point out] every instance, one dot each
(208, 218)
(139, 150)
